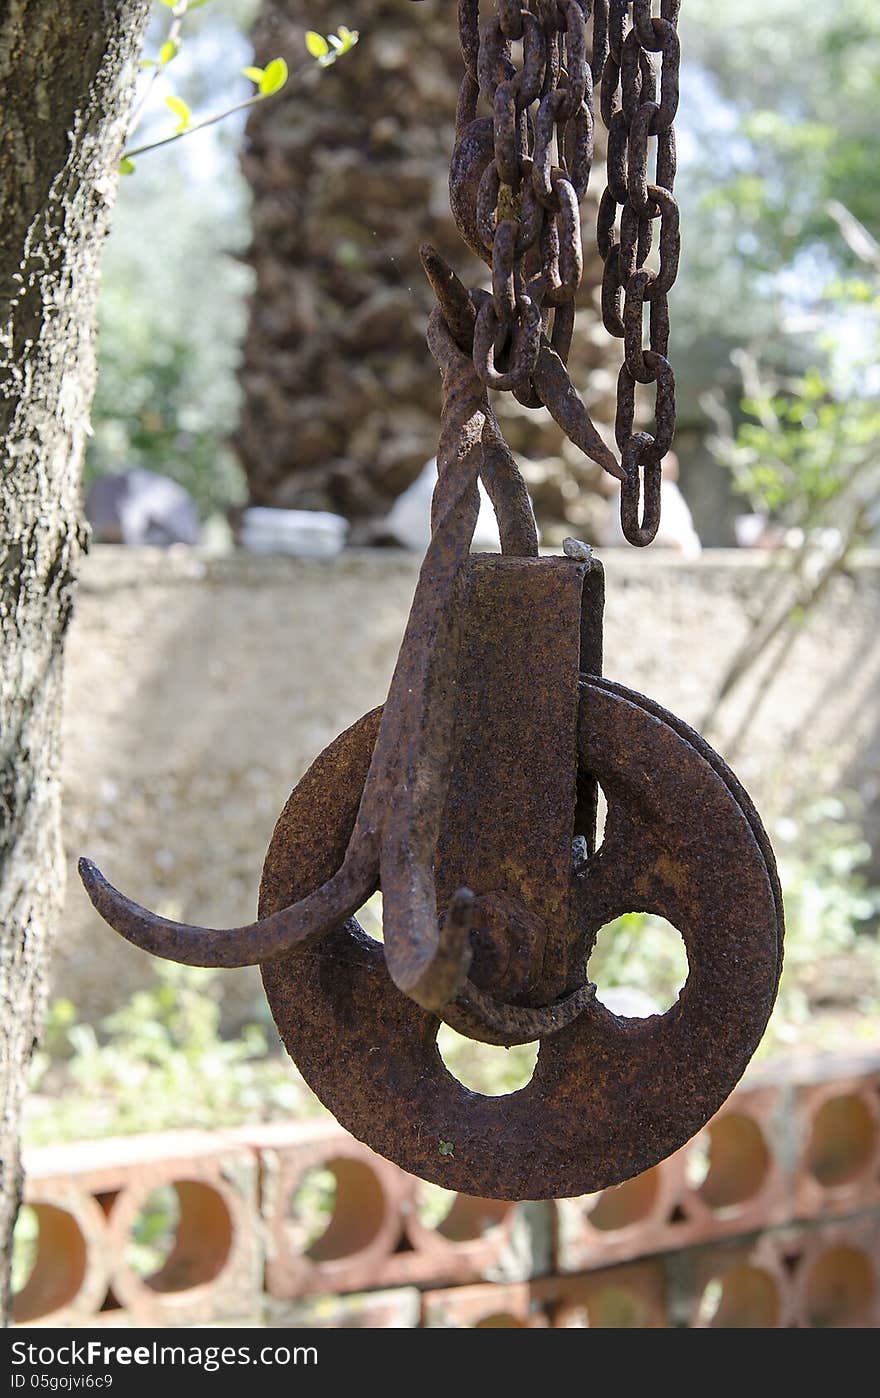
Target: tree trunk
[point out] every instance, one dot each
(66, 69)
(349, 172)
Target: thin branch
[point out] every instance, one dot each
(855, 234)
(172, 37)
(197, 126)
(802, 603)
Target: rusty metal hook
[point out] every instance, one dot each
(397, 826)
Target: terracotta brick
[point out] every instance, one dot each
(804, 1275)
(735, 1177)
(514, 1306)
(629, 1220)
(838, 1126)
(629, 1297)
(366, 1218)
(793, 1145)
(745, 1163)
(836, 1274)
(477, 1240)
(731, 1286)
(70, 1275)
(213, 1269)
(397, 1309)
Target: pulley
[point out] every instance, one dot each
(470, 798)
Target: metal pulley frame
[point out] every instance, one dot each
(470, 797)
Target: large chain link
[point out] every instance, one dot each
(517, 182)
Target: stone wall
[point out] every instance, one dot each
(199, 690)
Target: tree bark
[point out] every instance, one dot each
(349, 172)
(66, 72)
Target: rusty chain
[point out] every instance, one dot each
(517, 181)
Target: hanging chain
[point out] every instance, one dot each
(638, 108)
(517, 181)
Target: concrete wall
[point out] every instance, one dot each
(199, 690)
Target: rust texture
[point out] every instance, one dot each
(610, 1096)
(470, 797)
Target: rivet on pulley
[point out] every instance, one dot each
(470, 798)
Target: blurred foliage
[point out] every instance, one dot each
(802, 449)
(157, 1062)
(173, 308)
(779, 109)
(829, 997)
(310, 1207)
(806, 450)
(801, 85)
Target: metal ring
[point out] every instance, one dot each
(643, 477)
(524, 348)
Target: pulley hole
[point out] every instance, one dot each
(744, 1298)
(624, 1205)
(336, 1209)
(591, 798)
(639, 965)
(459, 1218)
(601, 817)
(729, 1161)
(840, 1288)
(489, 1069)
(181, 1236)
(842, 1140)
(370, 917)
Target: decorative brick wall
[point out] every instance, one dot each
(770, 1217)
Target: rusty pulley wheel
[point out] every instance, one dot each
(609, 1096)
(486, 808)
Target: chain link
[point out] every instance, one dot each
(638, 104)
(517, 181)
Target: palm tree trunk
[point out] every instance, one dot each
(349, 174)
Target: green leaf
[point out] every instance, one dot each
(347, 38)
(255, 74)
(169, 50)
(447, 1147)
(179, 108)
(169, 4)
(316, 44)
(274, 77)
(126, 166)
